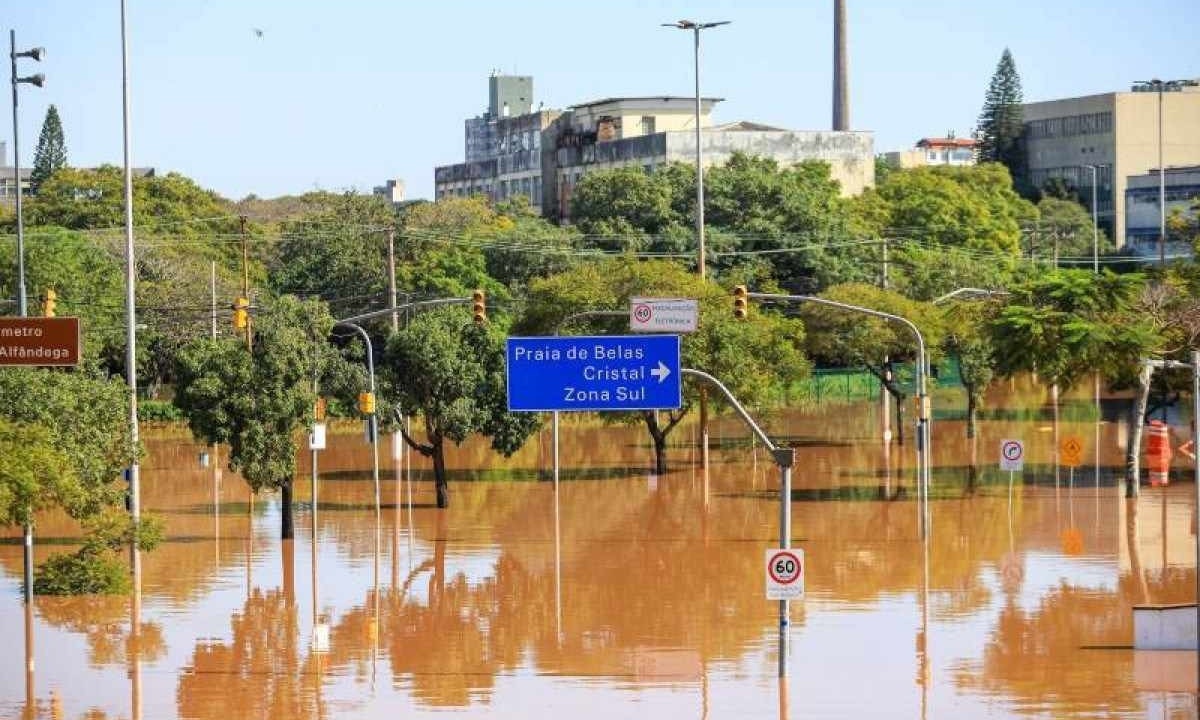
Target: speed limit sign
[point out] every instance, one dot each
(785, 573)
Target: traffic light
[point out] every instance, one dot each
(366, 403)
(740, 306)
(479, 307)
(49, 300)
(241, 313)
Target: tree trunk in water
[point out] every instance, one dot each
(899, 403)
(972, 412)
(660, 455)
(1137, 419)
(287, 527)
(439, 475)
(288, 558)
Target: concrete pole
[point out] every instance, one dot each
(21, 307)
(1162, 186)
(785, 458)
(391, 278)
(135, 502)
(1196, 461)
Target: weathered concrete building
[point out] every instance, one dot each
(1116, 132)
(542, 155)
(503, 147)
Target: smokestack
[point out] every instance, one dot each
(841, 69)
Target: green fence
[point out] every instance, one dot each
(841, 385)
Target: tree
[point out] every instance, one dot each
(753, 357)
(1067, 324)
(1001, 120)
(451, 371)
(969, 341)
(337, 249)
(34, 474)
(848, 338)
(51, 153)
(971, 207)
(1070, 227)
(257, 401)
(64, 440)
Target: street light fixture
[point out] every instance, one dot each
(696, 27)
(1095, 221)
(1161, 86)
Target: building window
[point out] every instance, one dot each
(537, 191)
(931, 156)
(647, 124)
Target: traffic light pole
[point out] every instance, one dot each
(373, 418)
(785, 458)
(924, 423)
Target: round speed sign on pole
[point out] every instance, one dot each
(785, 573)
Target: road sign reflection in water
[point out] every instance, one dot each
(629, 372)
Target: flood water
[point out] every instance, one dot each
(631, 595)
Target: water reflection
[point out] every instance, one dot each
(610, 595)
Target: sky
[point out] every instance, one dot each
(344, 94)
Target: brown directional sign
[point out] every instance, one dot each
(1070, 451)
(42, 341)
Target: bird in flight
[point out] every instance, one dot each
(258, 32)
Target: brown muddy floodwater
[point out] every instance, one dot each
(646, 598)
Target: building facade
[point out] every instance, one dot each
(950, 151)
(391, 190)
(543, 155)
(1118, 134)
(1142, 216)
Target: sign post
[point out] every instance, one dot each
(785, 573)
(39, 341)
(1070, 453)
(593, 373)
(1012, 459)
(665, 315)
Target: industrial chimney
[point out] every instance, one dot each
(841, 71)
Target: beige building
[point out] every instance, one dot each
(934, 151)
(1117, 133)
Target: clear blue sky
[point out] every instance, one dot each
(343, 94)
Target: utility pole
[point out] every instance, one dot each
(135, 501)
(885, 399)
(391, 278)
(213, 294)
(246, 284)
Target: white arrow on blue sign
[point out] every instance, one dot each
(598, 373)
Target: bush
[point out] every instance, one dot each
(87, 571)
(159, 411)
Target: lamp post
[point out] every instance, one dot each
(1161, 86)
(39, 80)
(696, 27)
(1095, 222)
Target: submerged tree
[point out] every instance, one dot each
(258, 401)
(51, 153)
(451, 371)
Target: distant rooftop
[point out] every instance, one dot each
(649, 98)
(946, 142)
(745, 126)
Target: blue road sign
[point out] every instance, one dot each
(621, 372)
